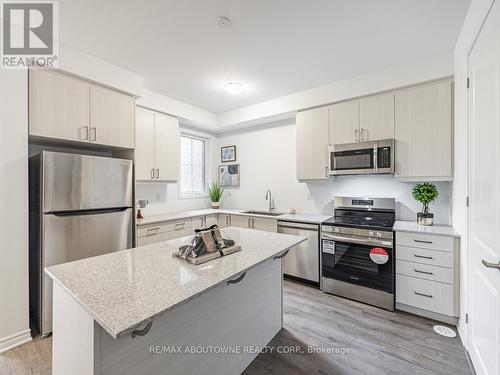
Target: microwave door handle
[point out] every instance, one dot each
(375, 157)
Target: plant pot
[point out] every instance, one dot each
(425, 219)
(215, 205)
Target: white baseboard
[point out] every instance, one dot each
(10, 342)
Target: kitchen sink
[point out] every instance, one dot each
(266, 213)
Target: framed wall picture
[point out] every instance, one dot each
(228, 153)
(229, 175)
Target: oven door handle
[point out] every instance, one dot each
(369, 242)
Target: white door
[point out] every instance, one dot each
(484, 192)
(167, 147)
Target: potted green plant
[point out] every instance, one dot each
(215, 191)
(425, 193)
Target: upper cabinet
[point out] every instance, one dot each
(67, 108)
(157, 147)
(376, 117)
(312, 144)
(344, 122)
(367, 119)
(112, 117)
(59, 106)
(424, 132)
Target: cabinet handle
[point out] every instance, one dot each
(226, 220)
(282, 255)
(94, 137)
(327, 171)
(142, 332)
(249, 223)
(86, 138)
(356, 135)
(152, 173)
(422, 256)
(179, 226)
(157, 173)
(426, 272)
(422, 241)
(423, 294)
(253, 223)
(237, 280)
(363, 131)
(491, 265)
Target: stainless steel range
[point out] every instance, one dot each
(357, 250)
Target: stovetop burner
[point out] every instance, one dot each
(364, 213)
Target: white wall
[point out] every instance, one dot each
(267, 158)
(14, 320)
(473, 21)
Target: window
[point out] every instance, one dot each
(192, 182)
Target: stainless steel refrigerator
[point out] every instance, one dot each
(80, 206)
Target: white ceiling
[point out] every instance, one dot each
(277, 47)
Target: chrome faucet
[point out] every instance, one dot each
(269, 198)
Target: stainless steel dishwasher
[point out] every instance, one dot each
(302, 261)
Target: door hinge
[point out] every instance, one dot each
(468, 82)
(467, 201)
(466, 318)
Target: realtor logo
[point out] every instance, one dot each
(29, 34)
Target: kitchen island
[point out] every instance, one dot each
(143, 311)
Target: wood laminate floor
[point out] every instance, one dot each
(363, 340)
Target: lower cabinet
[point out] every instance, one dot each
(427, 275)
(223, 220)
(164, 231)
(260, 223)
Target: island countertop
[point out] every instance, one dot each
(125, 289)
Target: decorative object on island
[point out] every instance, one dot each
(425, 193)
(229, 175)
(141, 203)
(227, 153)
(215, 191)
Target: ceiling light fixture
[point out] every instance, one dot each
(235, 87)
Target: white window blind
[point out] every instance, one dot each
(192, 179)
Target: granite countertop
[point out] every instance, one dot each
(125, 289)
(304, 218)
(412, 226)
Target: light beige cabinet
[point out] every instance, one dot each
(59, 106)
(366, 119)
(163, 231)
(344, 122)
(223, 220)
(312, 132)
(66, 108)
(427, 276)
(157, 148)
(259, 223)
(376, 117)
(423, 124)
(111, 117)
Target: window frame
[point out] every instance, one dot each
(193, 195)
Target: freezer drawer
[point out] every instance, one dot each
(71, 182)
(72, 237)
(303, 260)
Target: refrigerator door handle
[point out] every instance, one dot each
(88, 212)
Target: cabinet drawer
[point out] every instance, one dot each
(425, 294)
(167, 226)
(425, 241)
(154, 238)
(423, 271)
(425, 256)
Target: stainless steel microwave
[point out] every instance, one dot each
(373, 157)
